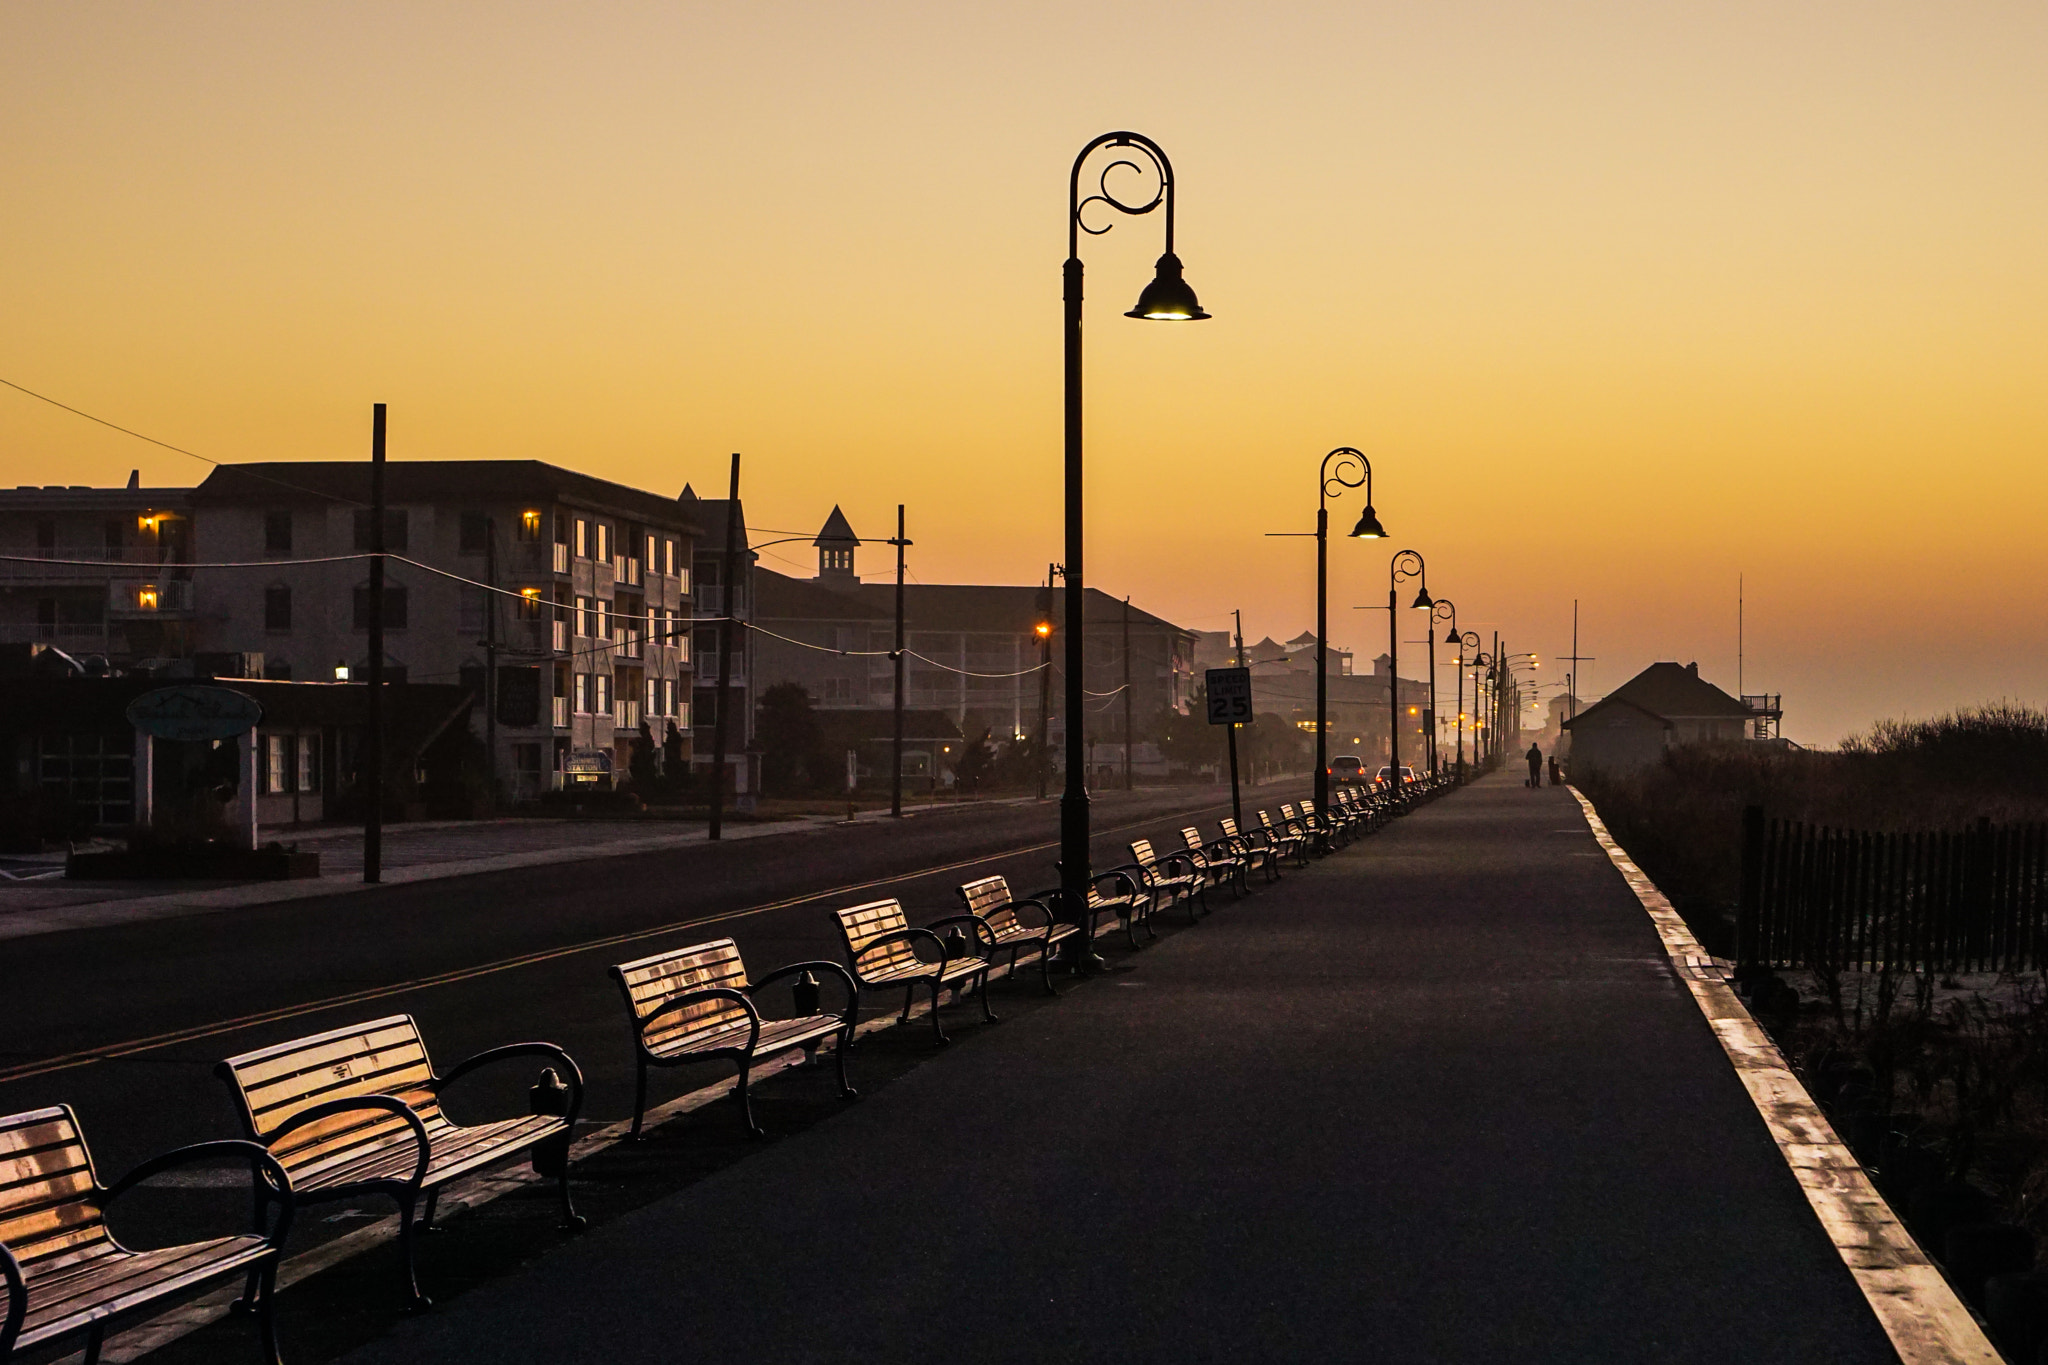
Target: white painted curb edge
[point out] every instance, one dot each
(1920, 1312)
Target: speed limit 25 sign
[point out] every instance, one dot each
(1230, 696)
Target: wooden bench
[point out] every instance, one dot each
(988, 899)
(1252, 850)
(1311, 836)
(695, 1004)
(1173, 875)
(65, 1273)
(1219, 862)
(1118, 895)
(357, 1111)
(1331, 829)
(881, 952)
(1285, 842)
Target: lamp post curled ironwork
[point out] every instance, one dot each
(1167, 299)
(1345, 467)
(1464, 640)
(1442, 609)
(1405, 564)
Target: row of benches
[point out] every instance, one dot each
(356, 1111)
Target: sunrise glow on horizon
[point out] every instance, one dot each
(1622, 301)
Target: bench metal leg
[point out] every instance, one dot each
(937, 1031)
(986, 1012)
(846, 1090)
(1045, 964)
(747, 1102)
(909, 996)
(427, 1214)
(94, 1336)
(639, 1099)
(266, 1312)
(407, 1226)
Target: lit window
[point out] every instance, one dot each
(308, 766)
(146, 597)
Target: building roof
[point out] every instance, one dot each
(836, 530)
(709, 517)
(1613, 709)
(273, 482)
(933, 606)
(1672, 691)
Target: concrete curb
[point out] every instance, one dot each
(1926, 1321)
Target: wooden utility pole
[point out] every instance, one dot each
(491, 655)
(373, 738)
(896, 750)
(1127, 694)
(1237, 805)
(719, 731)
(1045, 688)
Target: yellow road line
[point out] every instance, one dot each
(85, 1057)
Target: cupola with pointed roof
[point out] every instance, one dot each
(836, 543)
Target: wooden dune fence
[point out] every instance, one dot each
(1969, 900)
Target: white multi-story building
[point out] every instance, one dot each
(576, 588)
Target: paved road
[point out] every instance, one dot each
(1438, 1099)
(76, 993)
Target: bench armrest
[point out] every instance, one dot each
(978, 927)
(910, 935)
(1044, 910)
(1141, 882)
(17, 1299)
(263, 1167)
(845, 979)
(389, 1103)
(507, 1053)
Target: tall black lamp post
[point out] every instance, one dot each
(1345, 467)
(1405, 564)
(1166, 299)
(1468, 640)
(1443, 609)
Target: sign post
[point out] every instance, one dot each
(1230, 703)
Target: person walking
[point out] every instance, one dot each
(1556, 776)
(1535, 757)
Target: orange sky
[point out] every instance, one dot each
(1623, 300)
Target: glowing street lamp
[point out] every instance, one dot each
(1168, 298)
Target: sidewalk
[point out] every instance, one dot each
(1440, 1098)
(426, 851)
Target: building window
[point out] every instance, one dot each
(668, 554)
(116, 531)
(839, 690)
(277, 533)
(395, 524)
(601, 693)
(586, 617)
(277, 764)
(603, 548)
(470, 609)
(474, 534)
(394, 606)
(582, 538)
(307, 769)
(277, 607)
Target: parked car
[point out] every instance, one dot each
(1347, 768)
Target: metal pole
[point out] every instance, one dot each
(491, 656)
(1431, 726)
(1236, 805)
(1127, 694)
(1045, 693)
(373, 739)
(1321, 783)
(719, 729)
(1458, 744)
(1393, 687)
(896, 763)
(1074, 814)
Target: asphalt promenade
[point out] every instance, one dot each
(1439, 1098)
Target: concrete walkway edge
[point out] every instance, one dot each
(1927, 1323)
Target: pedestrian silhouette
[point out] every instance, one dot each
(1556, 777)
(1535, 757)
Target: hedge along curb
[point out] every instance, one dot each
(1926, 1321)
